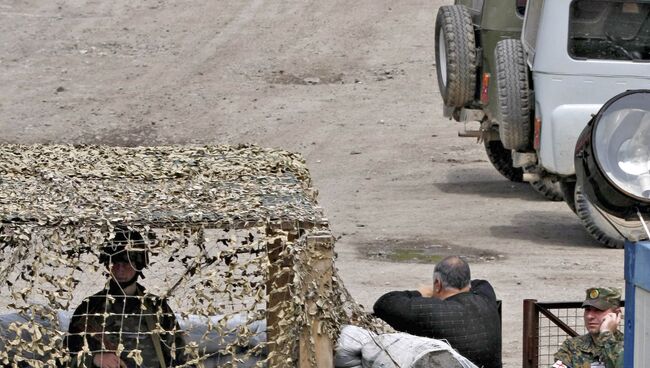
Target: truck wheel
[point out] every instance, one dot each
(600, 227)
(568, 192)
(548, 187)
(514, 99)
(455, 55)
(501, 159)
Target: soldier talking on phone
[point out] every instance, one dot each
(602, 346)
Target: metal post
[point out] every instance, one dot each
(628, 351)
(531, 334)
(637, 304)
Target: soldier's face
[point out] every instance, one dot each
(122, 271)
(594, 318)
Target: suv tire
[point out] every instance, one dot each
(501, 159)
(548, 187)
(513, 95)
(569, 193)
(599, 227)
(455, 55)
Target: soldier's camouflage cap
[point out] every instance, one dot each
(603, 298)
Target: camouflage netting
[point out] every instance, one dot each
(236, 242)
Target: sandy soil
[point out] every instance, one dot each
(349, 84)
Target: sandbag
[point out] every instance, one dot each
(35, 332)
(347, 352)
(208, 339)
(360, 348)
(200, 330)
(203, 330)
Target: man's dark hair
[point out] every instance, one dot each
(453, 272)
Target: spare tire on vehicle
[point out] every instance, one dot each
(514, 97)
(455, 55)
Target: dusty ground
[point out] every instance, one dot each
(350, 85)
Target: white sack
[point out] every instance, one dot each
(347, 353)
(396, 350)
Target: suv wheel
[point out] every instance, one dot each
(514, 99)
(601, 228)
(569, 193)
(549, 187)
(455, 55)
(501, 159)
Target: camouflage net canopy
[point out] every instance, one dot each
(237, 249)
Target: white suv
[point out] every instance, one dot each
(578, 54)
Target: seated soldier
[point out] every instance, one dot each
(122, 325)
(602, 346)
(462, 312)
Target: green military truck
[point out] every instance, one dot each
(471, 71)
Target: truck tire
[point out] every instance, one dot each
(569, 194)
(501, 159)
(513, 97)
(455, 55)
(600, 227)
(549, 188)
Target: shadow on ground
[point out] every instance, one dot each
(492, 189)
(546, 228)
(485, 182)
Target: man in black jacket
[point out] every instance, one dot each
(456, 309)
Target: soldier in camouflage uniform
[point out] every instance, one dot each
(602, 347)
(123, 326)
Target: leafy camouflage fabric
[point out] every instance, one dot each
(581, 351)
(230, 230)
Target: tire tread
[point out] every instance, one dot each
(548, 188)
(514, 97)
(455, 22)
(595, 224)
(501, 159)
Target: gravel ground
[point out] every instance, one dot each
(350, 85)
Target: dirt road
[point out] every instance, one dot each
(350, 85)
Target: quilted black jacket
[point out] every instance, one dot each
(469, 321)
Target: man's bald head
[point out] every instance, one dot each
(453, 272)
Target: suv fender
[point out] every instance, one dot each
(558, 138)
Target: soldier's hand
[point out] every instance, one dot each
(559, 364)
(108, 360)
(610, 322)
